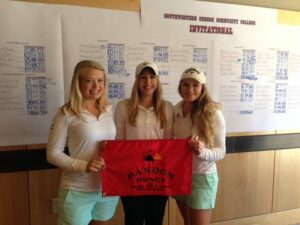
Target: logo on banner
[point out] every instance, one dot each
(151, 174)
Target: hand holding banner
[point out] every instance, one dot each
(147, 167)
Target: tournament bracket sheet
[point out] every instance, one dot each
(254, 58)
(31, 71)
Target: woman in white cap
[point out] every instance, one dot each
(144, 116)
(199, 118)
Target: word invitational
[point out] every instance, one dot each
(210, 28)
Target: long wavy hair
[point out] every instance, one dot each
(158, 102)
(202, 114)
(75, 103)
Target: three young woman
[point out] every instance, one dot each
(86, 119)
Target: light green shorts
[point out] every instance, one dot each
(79, 208)
(204, 192)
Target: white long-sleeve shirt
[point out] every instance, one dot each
(82, 139)
(204, 163)
(147, 125)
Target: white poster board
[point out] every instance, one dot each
(31, 71)
(252, 61)
(254, 66)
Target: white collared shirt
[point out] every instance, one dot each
(147, 125)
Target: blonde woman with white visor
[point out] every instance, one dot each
(199, 118)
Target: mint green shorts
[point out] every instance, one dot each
(204, 192)
(79, 208)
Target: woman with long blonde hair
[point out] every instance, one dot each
(199, 118)
(81, 125)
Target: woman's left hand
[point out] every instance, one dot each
(96, 165)
(196, 144)
(101, 146)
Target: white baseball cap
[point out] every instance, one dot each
(145, 64)
(195, 74)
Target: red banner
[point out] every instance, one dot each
(147, 167)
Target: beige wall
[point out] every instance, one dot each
(293, 5)
(130, 5)
(134, 5)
